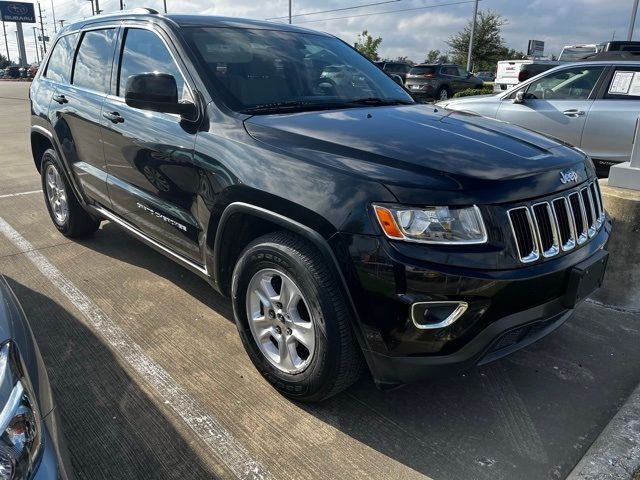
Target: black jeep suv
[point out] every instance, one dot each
(350, 226)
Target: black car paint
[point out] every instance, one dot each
(53, 462)
(317, 173)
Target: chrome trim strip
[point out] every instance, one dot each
(455, 315)
(188, 263)
(555, 248)
(535, 253)
(571, 242)
(598, 203)
(591, 230)
(582, 236)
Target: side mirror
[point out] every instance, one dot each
(397, 78)
(469, 75)
(519, 97)
(157, 92)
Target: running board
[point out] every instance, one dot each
(185, 262)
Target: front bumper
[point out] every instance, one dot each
(508, 309)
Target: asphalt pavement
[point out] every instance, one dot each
(151, 379)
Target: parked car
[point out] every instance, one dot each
(575, 53)
(32, 445)
(12, 72)
(349, 225)
(486, 77)
(395, 68)
(512, 72)
(32, 70)
(577, 103)
(440, 81)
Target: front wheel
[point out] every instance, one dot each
(293, 320)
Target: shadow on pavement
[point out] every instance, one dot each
(112, 426)
(531, 415)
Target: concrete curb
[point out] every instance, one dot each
(615, 454)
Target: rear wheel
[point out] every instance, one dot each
(64, 208)
(293, 319)
(443, 93)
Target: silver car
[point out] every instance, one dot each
(593, 105)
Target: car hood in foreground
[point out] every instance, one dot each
(424, 153)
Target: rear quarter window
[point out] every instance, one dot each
(59, 66)
(624, 84)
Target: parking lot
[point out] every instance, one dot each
(151, 380)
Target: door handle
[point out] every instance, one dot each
(60, 99)
(574, 112)
(115, 117)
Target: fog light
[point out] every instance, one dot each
(431, 315)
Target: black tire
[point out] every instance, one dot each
(77, 222)
(442, 91)
(337, 361)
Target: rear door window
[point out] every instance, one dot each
(92, 68)
(624, 84)
(59, 66)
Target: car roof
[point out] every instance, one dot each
(187, 20)
(436, 65)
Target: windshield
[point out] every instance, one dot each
(266, 71)
(576, 53)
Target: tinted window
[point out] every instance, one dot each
(422, 71)
(462, 72)
(453, 71)
(94, 60)
(570, 84)
(260, 71)
(145, 52)
(59, 66)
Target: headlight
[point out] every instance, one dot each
(442, 225)
(19, 418)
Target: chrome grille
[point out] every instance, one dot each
(547, 228)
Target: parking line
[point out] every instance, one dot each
(224, 446)
(9, 195)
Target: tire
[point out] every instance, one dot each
(443, 94)
(334, 360)
(64, 208)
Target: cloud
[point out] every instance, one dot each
(411, 33)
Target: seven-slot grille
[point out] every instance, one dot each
(550, 227)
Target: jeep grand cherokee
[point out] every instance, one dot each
(350, 226)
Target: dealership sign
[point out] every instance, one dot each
(19, 12)
(536, 48)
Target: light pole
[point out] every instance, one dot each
(473, 31)
(289, 12)
(164, 3)
(35, 39)
(632, 22)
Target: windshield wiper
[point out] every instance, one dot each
(375, 101)
(293, 105)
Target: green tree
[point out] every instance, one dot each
(488, 43)
(368, 46)
(404, 59)
(436, 56)
(4, 63)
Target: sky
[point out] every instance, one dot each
(410, 33)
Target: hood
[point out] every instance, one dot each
(468, 100)
(422, 153)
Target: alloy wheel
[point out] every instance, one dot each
(280, 320)
(57, 195)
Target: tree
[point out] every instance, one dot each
(488, 44)
(368, 46)
(4, 63)
(435, 56)
(404, 59)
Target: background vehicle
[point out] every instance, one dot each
(574, 53)
(309, 201)
(12, 72)
(485, 76)
(439, 81)
(32, 446)
(512, 72)
(574, 103)
(397, 68)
